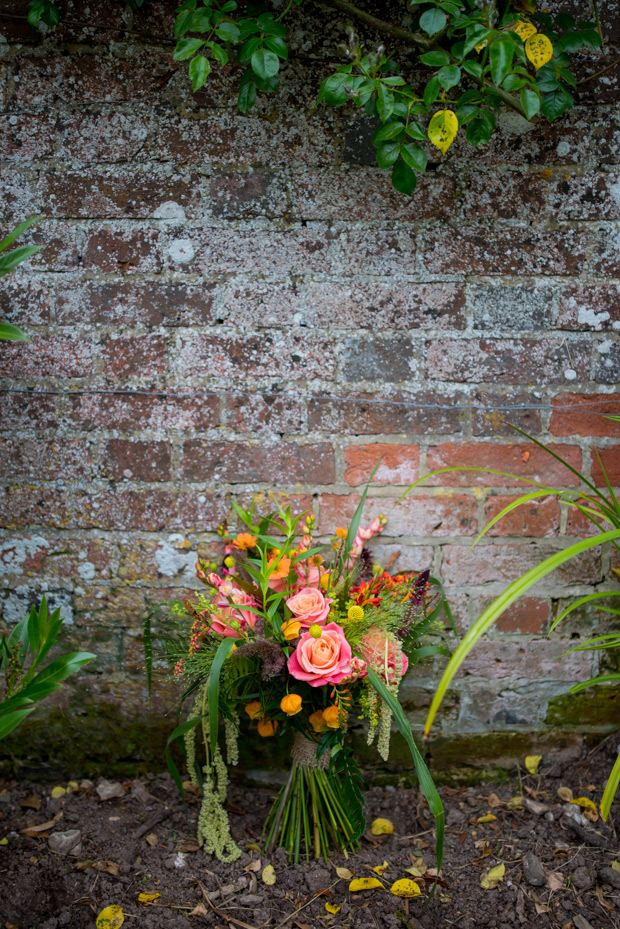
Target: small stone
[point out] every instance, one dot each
(110, 790)
(572, 811)
(550, 817)
(610, 876)
(456, 817)
(534, 870)
(85, 784)
(318, 879)
(66, 843)
(175, 861)
(582, 879)
(534, 807)
(140, 792)
(581, 922)
(250, 900)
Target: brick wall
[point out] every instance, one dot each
(227, 304)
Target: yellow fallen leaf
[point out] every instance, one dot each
(365, 883)
(442, 129)
(333, 908)
(152, 839)
(615, 865)
(489, 818)
(585, 803)
(252, 847)
(565, 794)
(539, 50)
(58, 792)
(380, 868)
(524, 30)
(532, 763)
(4, 841)
(493, 877)
(112, 917)
(515, 803)
(269, 875)
(148, 898)
(344, 873)
(382, 827)
(72, 786)
(405, 888)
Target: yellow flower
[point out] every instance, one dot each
(254, 709)
(324, 582)
(291, 704)
(331, 715)
(317, 720)
(355, 614)
(290, 628)
(267, 727)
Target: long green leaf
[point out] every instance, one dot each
(213, 688)
(147, 642)
(426, 781)
(580, 602)
(492, 612)
(610, 789)
(357, 518)
(10, 721)
(12, 259)
(11, 333)
(12, 236)
(594, 681)
(174, 735)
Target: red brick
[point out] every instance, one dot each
(589, 420)
(26, 137)
(28, 410)
(514, 660)
(59, 248)
(116, 193)
(380, 360)
(46, 356)
(240, 463)
(124, 459)
(538, 518)
(105, 136)
(255, 413)
(409, 557)
(25, 303)
(502, 564)
(499, 194)
(578, 524)
(29, 507)
(39, 459)
(590, 307)
(399, 464)
(496, 251)
(16, 193)
(529, 615)
(74, 561)
(420, 414)
(123, 250)
(150, 510)
(271, 354)
(132, 412)
(243, 196)
(507, 361)
(606, 255)
(439, 515)
(590, 196)
(128, 357)
(375, 251)
(136, 302)
(524, 460)
(610, 460)
(496, 412)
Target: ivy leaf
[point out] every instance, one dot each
(385, 102)
(530, 101)
(414, 156)
(500, 55)
(277, 45)
(442, 129)
(433, 21)
(199, 70)
(556, 103)
(185, 48)
(539, 50)
(449, 76)
(403, 178)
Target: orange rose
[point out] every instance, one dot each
(291, 704)
(267, 727)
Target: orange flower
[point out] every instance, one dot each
(291, 704)
(267, 727)
(281, 569)
(324, 582)
(341, 533)
(244, 541)
(290, 629)
(254, 709)
(317, 720)
(331, 715)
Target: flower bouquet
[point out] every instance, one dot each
(286, 639)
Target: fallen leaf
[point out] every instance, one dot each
(418, 868)
(269, 875)
(112, 917)
(494, 801)
(188, 846)
(445, 898)
(556, 880)
(148, 898)
(420, 844)
(565, 794)
(532, 763)
(108, 867)
(615, 865)
(365, 883)
(31, 803)
(515, 803)
(382, 827)
(493, 877)
(152, 839)
(344, 873)
(252, 847)
(333, 908)
(33, 830)
(380, 868)
(72, 786)
(58, 792)
(199, 910)
(489, 818)
(254, 865)
(585, 803)
(4, 841)
(541, 908)
(405, 888)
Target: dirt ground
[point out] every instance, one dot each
(560, 868)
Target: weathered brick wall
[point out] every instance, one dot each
(227, 304)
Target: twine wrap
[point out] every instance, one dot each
(304, 752)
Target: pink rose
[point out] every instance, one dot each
(309, 606)
(326, 660)
(227, 615)
(384, 655)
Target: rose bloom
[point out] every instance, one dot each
(326, 660)
(309, 606)
(380, 650)
(227, 612)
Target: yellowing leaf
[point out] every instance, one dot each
(615, 865)
(481, 45)
(333, 908)
(58, 792)
(493, 877)
(252, 847)
(148, 898)
(524, 30)
(382, 827)
(585, 803)
(405, 888)
(72, 786)
(365, 883)
(539, 50)
(515, 803)
(112, 917)
(489, 818)
(380, 868)
(442, 129)
(4, 841)
(565, 794)
(269, 875)
(344, 873)
(152, 839)
(532, 763)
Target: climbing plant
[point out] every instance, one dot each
(472, 58)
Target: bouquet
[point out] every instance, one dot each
(290, 636)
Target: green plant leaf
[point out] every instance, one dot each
(213, 687)
(530, 101)
(556, 103)
(403, 178)
(229, 32)
(387, 154)
(433, 21)
(435, 59)
(265, 64)
(415, 156)
(10, 260)
(199, 70)
(610, 789)
(582, 602)
(10, 721)
(247, 94)
(385, 102)
(277, 46)
(12, 333)
(501, 54)
(449, 76)
(185, 48)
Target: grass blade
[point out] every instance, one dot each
(610, 789)
(213, 688)
(581, 602)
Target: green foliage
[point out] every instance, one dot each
(22, 653)
(8, 262)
